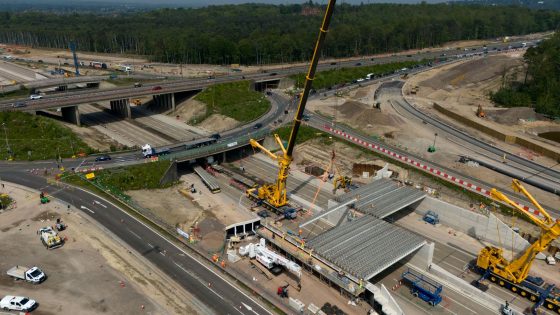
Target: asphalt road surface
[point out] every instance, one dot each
(195, 276)
(552, 179)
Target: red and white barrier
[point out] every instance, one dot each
(425, 168)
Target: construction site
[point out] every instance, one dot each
(411, 193)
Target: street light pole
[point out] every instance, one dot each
(435, 137)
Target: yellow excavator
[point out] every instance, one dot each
(514, 274)
(275, 195)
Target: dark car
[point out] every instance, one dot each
(156, 88)
(102, 158)
(137, 84)
(257, 126)
(263, 214)
(333, 63)
(273, 73)
(19, 104)
(216, 136)
(358, 64)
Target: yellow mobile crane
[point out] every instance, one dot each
(514, 274)
(275, 195)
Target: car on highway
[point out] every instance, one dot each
(360, 80)
(35, 97)
(17, 303)
(137, 84)
(19, 104)
(358, 64)
(156, 88)
(273, 74)
(257, 126)
(103, 158)
(263, 214)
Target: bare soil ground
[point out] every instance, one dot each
(93, 138)
(211, 213)
(462, 87)
(189, 110)
(92, 273)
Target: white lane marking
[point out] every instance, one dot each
(162, 253)
(249, 308)
(463, 305)
(199, 280)
(138, 236)
(99, 203)
(152, 246)
(86, 208)
(180, 249)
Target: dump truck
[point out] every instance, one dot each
(50, 238)
(33, 274)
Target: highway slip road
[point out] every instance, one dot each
(220, 296)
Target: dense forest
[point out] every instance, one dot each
(263, 34)
(541, 84)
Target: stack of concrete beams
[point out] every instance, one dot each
(383, 197)
(365, 246)
(207, 179)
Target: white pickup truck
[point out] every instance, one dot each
(33, 275)
(17, 303)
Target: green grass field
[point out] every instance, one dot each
(33, 137)
(305, 133)
(236, 100)
(142, 176)
(330, 78)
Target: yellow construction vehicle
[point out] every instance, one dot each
(514, 274)
(275, 195)
(137, 102)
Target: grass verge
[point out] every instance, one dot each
(31, 137)
(236, 100)
(331, 78)
(142, 176)
(22, 92)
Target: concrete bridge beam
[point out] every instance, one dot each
(71, 114)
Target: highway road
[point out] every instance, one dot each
(319, 122)
(88, 96)
(548, 178)
(204, 282)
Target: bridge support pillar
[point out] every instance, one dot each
(121, 107)
(224, 157)
(71, 114)
(164, 101)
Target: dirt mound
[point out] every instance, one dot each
(190, 109)
(472, 72)
(218, 123)
(512, 115)
(362, 115)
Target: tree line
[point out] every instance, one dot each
(263, 34)
(540, 86)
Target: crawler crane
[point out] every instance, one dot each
(514, 274)
(275, 195)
